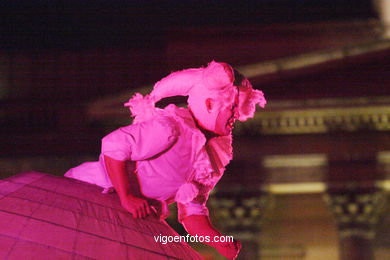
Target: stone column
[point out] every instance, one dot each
(357, 212)
(383, 10)
(238, 210)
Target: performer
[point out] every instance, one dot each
(177, 154)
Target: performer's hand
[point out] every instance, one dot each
(138, 207)
(229, 250)
(159, 208)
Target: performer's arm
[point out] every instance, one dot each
(200, 225)
(138, 207)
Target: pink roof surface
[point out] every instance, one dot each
(44, 216)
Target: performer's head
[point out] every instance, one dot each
(217, 96)
(214, 99)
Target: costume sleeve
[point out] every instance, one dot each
(140, 141)
(195, 207)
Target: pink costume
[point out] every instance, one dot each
(171, 158)
(174, 162)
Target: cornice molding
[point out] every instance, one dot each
(111, 106)
(294, 160)
(313, 58)
(318, 120)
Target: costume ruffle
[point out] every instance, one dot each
(221, 147)
(186, 193)
(141, 107)
(248, 99)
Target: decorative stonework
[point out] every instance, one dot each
(239, 209)
(357, 212)
(319, 120)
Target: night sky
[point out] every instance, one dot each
(71, 24)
